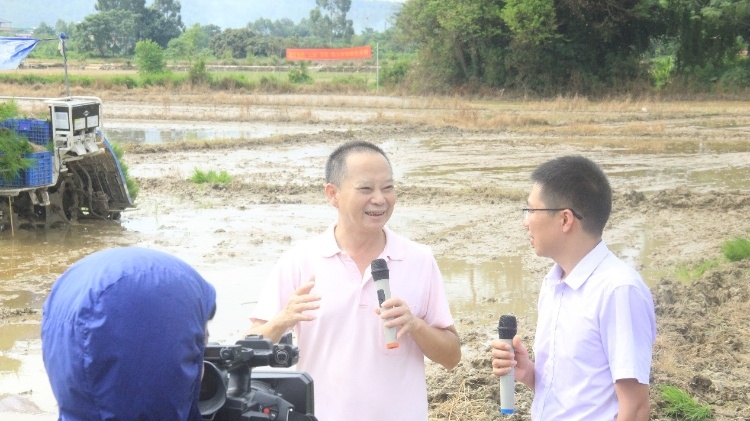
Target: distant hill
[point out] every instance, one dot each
(225, 13)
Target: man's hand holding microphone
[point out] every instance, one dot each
(397, 318)
(510, 362)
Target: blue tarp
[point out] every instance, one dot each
(13, 50)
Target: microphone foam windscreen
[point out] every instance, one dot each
(507, 326)
(379, 269)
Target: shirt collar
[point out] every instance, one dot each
(395, 245)
(582, 271)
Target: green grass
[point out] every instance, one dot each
(733, 250)
(271, 82)
(737, 249)
(696, 271)
(681, 406)
(211, 176)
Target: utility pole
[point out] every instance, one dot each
(61, 47)
(377, 66)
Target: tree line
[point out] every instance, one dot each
(545, 47)
(552, 46)
(118, 25)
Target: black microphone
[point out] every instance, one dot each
(506, 329)
(379, 270)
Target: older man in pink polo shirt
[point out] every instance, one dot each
(323, 289)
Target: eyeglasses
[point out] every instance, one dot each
(525, 211)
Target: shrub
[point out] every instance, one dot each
(736, 77)
(150, 57)
(127, 81)
(395, 73)
(271, 84)
(662, 69)
(348, 83)
(198, 74)
(300, 74)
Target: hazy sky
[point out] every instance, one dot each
(29, 13)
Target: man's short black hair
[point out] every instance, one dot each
(336, 165)
(575, 182)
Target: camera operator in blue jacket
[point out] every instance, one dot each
(123, 336)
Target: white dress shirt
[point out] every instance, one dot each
(595, 326)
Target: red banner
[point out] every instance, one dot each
(315, 54)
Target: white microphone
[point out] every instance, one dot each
(506, 329)
(379, 270)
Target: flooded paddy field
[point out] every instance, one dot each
(680, 174)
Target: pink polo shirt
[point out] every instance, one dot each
(343, 349)
(594, 327)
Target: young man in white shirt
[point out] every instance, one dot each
(596, 324)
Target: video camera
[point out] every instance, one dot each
(231, 390)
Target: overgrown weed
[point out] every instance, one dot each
(682, 406)
(736, 249)
(210, 176)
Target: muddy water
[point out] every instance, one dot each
(29, 263)
(165, 132)
(235, 244)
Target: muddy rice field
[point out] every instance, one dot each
(680, 172)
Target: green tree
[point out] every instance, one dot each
(108, 33)
(162, 22)
(458, 40)
(135, 6)
(232, 41)
(129, 21)
(604, 39)
(63, 27)
(150, 57)
(281, 28)
(262, 26)
(330, 22)
(320, 25)
(192, 44)
(43, 31)
(532, 22)
(707, 31)
(212, 31)
(543, 45)
(266, 46)
(44, 49)
(529, 62)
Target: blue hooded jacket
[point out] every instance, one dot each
(123, 335)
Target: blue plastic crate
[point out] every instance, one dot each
(16, 182)
(38, 132)
(40, 172)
